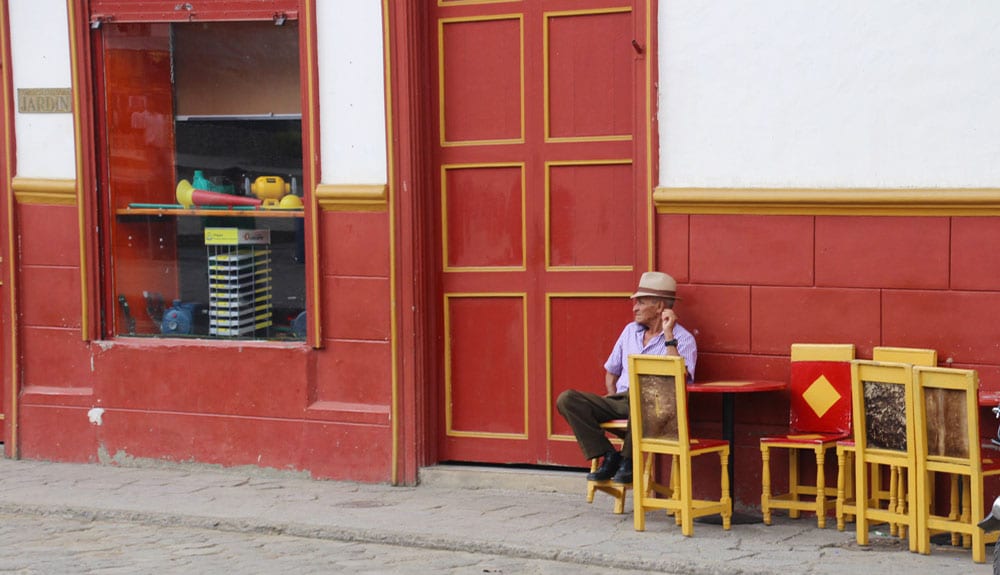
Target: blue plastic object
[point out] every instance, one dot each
(179, 318)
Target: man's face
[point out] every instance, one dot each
(647, 310)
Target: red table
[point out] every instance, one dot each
(989, 397)
(729, 389)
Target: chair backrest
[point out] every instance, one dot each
(947, 417)
(658, 404)
(911, 355)
(883, 406)
(820, 388)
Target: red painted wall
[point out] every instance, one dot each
(755, 284)
(279, 405)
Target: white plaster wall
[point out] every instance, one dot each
(39, 36)
(351, 92)
(814, 93)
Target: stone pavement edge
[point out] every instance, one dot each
(533, 524)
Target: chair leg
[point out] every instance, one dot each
(954, 511)
(902, 494)
(841, 478)
(966, 510)
(591, 486)
(726, 499)
(793, 481)
(765, 480)
(820, 488)
(893, 496)
(640, 488)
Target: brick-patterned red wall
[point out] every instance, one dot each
(754, 284)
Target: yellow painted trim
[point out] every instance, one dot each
(830, 201)
(444, 218)
(467, 2)
(547, 16)
(447, 364)
(394, 410)
(8, 140)
(548, 352)
(587, 140)
(81, 209)
(647, 203)
(441, 92)
(44, 191)
(353, 197)
(548, 214)
(309, 30)
(822, 352)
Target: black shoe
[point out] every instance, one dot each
(609, 466)
(624, 474)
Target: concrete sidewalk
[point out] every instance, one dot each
(524, 523)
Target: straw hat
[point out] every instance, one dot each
(656, 284)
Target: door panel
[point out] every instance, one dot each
(542, 157)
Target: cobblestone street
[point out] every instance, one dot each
(72, 545)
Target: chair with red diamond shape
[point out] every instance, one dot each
(819, 416)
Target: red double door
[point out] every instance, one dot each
(543, 216)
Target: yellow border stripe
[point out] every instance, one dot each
(830, 201)
(447, 363)
(44, 191)
(444, 218)
(8, 160)
(74, 44)
(548, 214)
(353, 197)
(547, 17)
(548, 350)
(394, 410)
(441, 92)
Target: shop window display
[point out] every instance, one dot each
(201, 169)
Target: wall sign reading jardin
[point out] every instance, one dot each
(45, 100)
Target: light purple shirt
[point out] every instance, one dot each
(630, 342)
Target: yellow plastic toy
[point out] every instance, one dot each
(270, 189)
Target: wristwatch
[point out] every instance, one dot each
(671, 342)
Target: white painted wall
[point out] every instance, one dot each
(814, 93)
(39, 37)
(352, 92)
(351, 85)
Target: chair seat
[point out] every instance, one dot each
(990, 459)
(703, 445)
(803, 439)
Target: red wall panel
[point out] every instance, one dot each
(672, 232)
(355, 243)
(882, 252)
(48, 235)
(355, 308)
(235, 378)
(962, 326)
(718, 316)
(354, 372)
(56, 433)
(975, 259)
(51, 296)
(783, 316)
(54, 357)
(756, 250)
(326, 450)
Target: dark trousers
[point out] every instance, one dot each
(585, 412)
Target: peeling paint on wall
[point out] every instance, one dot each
(96, 415)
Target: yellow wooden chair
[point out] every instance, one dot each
(883, 435)
(658, 412)
(819, 416)
(845, 448)
(618, 491)
(946, 407)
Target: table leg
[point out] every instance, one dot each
(729, 434)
